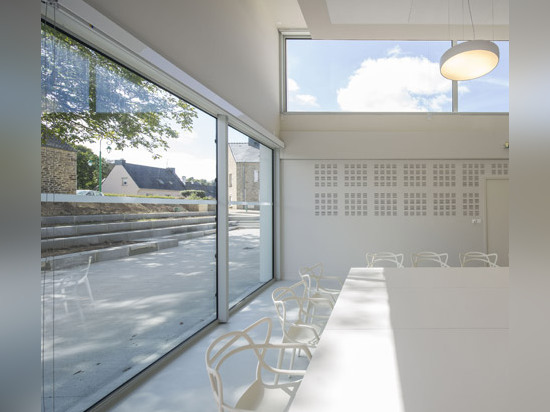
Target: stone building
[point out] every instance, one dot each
(244, 174)
(58, 167)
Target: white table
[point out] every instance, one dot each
(413, 340)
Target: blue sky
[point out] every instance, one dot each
(339, 75)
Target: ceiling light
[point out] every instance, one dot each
(469, 60)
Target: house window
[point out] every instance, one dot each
(124, 181)
(256, 176)
(230, 180)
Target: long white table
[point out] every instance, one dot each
(412, 340)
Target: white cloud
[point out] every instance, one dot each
(306, 100)
(295, 100)
(395, 51)
(291, 85)
(400, 84)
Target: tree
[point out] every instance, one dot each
(87, 168)
(87, 97)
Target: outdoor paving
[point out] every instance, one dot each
(142, 307)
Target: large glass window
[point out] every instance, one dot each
(128, 223)
(250, 165)
(366, 76)
(384, 76)
(489, 93)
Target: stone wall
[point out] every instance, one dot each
(58, 171)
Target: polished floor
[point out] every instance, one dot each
(183, 384)
(134, 311)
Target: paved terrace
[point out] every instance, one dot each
(142, 306)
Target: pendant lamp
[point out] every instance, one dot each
(469, 60)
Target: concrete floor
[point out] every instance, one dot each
(183, 384)
(140, 307)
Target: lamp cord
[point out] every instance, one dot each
(471, 19)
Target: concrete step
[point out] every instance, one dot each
(125, 236)
(89, 229)
(75, 220)
(244, 218)
(119, 252)
(248, 225)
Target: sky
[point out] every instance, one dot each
(394, 76)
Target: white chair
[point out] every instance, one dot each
(70, 287)
(300, 321)
(478, 259)
(322, 286)
(381, 259)
(270, 388)
(430, 259)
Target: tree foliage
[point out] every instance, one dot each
(87, 97)
(87, 168)
(193, 194)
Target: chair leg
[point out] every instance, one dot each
(279, 363)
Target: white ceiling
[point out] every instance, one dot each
(406, 19)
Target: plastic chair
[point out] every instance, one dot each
(271, 388)
(381, 258)
(299, 319)
(70, 289)
(475, 258)
(430, 259)
(321, 283)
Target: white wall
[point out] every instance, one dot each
(342, 141)
(229, 46)
(529, 206)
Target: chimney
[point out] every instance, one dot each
(120, 162)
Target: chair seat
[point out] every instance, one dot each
(300, 334)
(261, 399)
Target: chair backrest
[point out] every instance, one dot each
(430, 259)
(224, 358)
(478, 259)
(381, 259)
(291, 303)
(318, 279)
(230, 344)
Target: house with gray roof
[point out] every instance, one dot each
(132, 179)
(244, 174)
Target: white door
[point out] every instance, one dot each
(496, 220)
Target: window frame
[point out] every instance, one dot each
(304, 35)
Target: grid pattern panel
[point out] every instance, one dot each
(471, 173)
(326, 175)
(499, 169)
(415, 204)
(444, 175)
(385, 175)
(326, 204)
(355, 204)
(414, 175)
(470, 204)
(355, 175)
(444, 204)
(385, 204)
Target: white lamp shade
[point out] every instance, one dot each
(469, 60)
